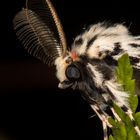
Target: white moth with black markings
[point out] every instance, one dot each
(90, 64)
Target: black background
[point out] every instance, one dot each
(31, 105)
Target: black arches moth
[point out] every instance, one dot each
(90, 62)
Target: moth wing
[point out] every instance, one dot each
(40, 31)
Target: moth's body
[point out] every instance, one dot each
(97, 51)
(89, 65)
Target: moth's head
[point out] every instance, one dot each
(69, 70)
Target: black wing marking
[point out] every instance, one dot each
(39, 29)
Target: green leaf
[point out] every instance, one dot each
(119, 111)
(124, 130)
(131, 133)
(111, 137)
(119, 132)
(124, 73)
(137, 118)
(124, 69)
(112, 122)
(133, 101)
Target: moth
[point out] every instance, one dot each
(89, 64)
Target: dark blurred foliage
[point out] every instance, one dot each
(31, 105)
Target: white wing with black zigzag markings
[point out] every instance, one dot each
(108, 43)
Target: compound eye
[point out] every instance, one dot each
(72, 72)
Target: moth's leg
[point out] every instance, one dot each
(109, 102)
(129, 113)
(104, 118)
(120, 98)
(101, 114)
(105, 130)
(115, 114)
